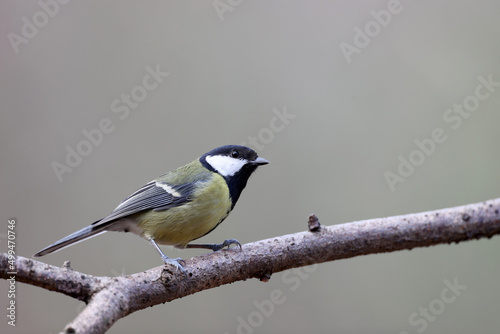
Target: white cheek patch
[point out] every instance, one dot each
(168, 189)
(224, 165)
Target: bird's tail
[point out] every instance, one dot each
(83, 234)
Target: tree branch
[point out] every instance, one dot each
(109, 299)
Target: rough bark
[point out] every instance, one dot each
(111, 298)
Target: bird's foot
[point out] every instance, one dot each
(215, 247)
(227, 243)
(176, 263)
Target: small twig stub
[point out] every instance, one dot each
(313, 223)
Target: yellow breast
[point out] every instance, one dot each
(178, 226)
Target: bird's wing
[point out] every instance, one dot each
(156, 195)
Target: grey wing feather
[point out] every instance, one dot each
(155, 195)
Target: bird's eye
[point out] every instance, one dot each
(235, 154)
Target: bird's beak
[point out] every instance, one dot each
(260, 161)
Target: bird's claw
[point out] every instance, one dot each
(176, 263)
(227, 243)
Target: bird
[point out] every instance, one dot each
(180, 206)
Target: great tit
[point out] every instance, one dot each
(180, 206)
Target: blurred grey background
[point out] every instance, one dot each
(358, 86)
